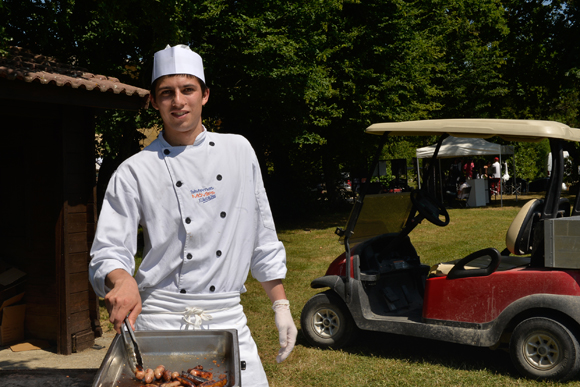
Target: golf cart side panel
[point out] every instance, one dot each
(562, 308)
(483, 299)
(474, 334)
(411, 324)
(338, 266)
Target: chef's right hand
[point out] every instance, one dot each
(123, 299)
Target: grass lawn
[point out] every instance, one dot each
(380, 359)
(383, 359)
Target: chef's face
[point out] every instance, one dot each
(179, 100)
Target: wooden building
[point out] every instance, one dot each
(48, 178)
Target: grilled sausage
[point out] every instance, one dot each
(175, 383)
(184, 381)
(167, 376)
(174, 374)
(200, 373)
(139, 373)
(158, 372)
(149, 376)
(194, 379)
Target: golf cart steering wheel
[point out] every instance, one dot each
(429, 208)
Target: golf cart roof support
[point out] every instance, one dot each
(551, 201)
(434, 160)
(554, 190)
(575, 154)
(355, 214)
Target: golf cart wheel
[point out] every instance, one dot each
(326, 322)
(542, 348)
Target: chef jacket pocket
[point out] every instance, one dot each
(265, 212)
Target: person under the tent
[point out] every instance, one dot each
(495, 177)
(468, 168)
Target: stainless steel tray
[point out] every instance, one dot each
(216, 350)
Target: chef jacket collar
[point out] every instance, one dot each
(198, 140)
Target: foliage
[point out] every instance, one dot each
(531, 160)
(110, 37)
(543, 63)
(471, 35)
(118, 139)
(302, 80)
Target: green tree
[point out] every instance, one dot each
(302, 80)
(470, 78)
(543, 70)
(108, 37)
(531, 159)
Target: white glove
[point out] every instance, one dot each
(286, 329)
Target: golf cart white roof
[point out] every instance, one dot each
(509, 130)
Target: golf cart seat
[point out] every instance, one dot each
(518, 238)
(519, 241)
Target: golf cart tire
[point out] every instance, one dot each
(326, 321)
(544, 349)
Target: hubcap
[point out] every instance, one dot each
(542, 351)
(326, 323)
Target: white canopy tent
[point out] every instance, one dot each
(464, 147)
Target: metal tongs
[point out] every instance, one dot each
(133, 352)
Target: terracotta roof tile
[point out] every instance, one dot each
(25, 66)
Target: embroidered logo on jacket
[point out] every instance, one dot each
(203, 195)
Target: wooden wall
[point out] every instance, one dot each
(48, 223)
(78, 308)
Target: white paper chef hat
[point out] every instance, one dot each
(177, 60)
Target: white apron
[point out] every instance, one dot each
(164, 310)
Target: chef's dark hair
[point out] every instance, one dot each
(202, 84)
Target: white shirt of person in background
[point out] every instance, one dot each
(496, 169)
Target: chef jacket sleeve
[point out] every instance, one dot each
(269, 258)
(115, 241)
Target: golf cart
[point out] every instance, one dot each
(526, 297)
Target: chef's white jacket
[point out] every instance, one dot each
(205, 216)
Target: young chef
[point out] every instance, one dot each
(206, 220)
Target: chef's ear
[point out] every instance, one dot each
(152, 100)
(152, 92)
(205, 97)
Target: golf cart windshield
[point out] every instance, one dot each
(381, 214)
